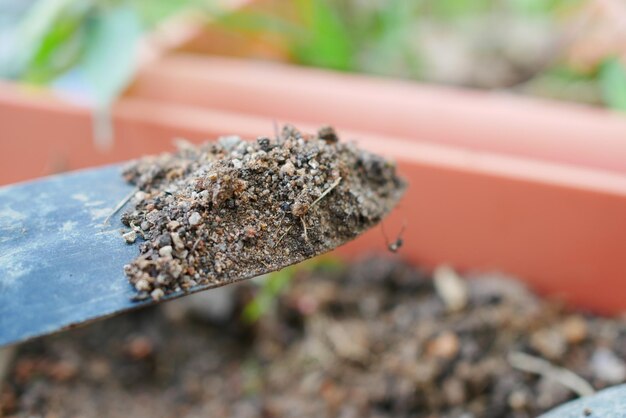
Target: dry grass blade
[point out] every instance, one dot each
(120, 205)
(325, 193)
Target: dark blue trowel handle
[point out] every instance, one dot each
(59, 265)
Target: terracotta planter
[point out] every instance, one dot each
(531, 188)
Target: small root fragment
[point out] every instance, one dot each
(120, 205)
(137, 230)
(306, 236)
(195, 245)
(283, 236)
(537, 365)
(323, 195)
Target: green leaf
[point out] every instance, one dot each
(328, 43)
(393, 43)
(397, 15)
(446, 9)
(48, 39)
(256, 22)
(154, 11)
(58, 51)
(110, 57)
(109, 64)
(612, 77)
(273, 286)
(542, 7)
(278, 282)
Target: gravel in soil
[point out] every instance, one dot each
(231, 209)
(375, 338)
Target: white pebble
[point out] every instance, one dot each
(157, 294)
(194, 218)
(130, 237)
(165, 251)
(142, 284)
(288, 168)
(178, 242)
(451, 288)
(140, 196)
(607, 366)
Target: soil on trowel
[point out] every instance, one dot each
(230, 210)
(378, 338)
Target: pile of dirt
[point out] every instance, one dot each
(377, 338)
(231, 210)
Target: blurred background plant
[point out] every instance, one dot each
(276, 283)
(43, 40)
(88, 48)
(566, 49)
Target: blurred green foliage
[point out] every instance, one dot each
(88, 46)
(612, 76)
(48, 39)
(276, 283)
(109, 57)
(460, 8)
(97, 39)
(360, 36)
(335, 33)
(327, 39)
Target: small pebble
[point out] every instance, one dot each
(173, 225)
(451, 288)
(575, 329)
(550, 343)
(166, 251)
(328, 134)
(157, 294)
(130, 237)
(142, 285)
(178, 242)
(445, 346)
(164, 240)
(607, 366)
(518, 399)
(63, 371)
(140, 347)
(288, 168)
(454, 391)
(194, 218)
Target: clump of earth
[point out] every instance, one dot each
(229, 210)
